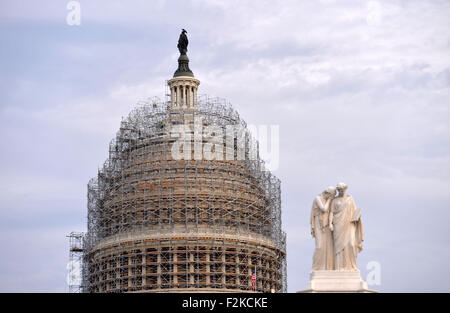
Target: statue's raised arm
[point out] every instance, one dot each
(183, 42)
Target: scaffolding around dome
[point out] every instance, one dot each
(157, 224)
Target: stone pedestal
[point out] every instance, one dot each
(336, 281)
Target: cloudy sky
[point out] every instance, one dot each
(359, 89)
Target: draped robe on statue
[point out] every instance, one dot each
(323, 258)
(348, 233)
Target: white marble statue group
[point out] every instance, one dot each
(337, 228)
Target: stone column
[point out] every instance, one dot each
(181, 94)
(188, 95)
(175, 268)
(159, 269)
(108, 275)
(191, 269)
(208, 269)
(130, 274)
(259, 281)
(249, 271)
(238, 278)
(195, 96)
(144, 269)
(223, 268)
(178, 103)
